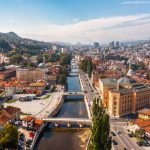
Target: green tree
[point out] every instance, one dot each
(139, 133)
(100, 138)
(64, 59)
(16, 59)
(9, 137)
(87, 66)
(62, 79)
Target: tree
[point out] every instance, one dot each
(62, 79)
(87, 66)
(100, 138)
(16, 59)
(139, 133)
(9, 137)
(64, 59)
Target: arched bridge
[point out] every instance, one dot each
(73, 93)
(69, 121)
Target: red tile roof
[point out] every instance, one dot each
(28, 118)
(142, 123)
(12, 110)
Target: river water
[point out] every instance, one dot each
(73, 107)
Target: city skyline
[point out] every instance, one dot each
(76, 21)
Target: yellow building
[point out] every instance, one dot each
(106, 84)
(125, 96)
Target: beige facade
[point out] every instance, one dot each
(106, 84)
(120, 103)
(30, 75)
(124, 96)
(127, 101)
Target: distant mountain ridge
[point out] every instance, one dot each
(12, 37)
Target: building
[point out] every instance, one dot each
(142, 122)
(4, 58)
(106, 84)
(144, 113)
(7, 74)
(30, 75)
(32, 123)
(128, 97)
(117, 44)
(112, 44)
(10, 89)
(9, 115)
(37, 88)
(96, 45)
(27, 122)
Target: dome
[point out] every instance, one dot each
(130, 72)
(41, 65)
(126, 81)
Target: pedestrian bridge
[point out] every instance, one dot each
(69, 121)
(73, 93)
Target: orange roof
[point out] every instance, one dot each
(147, 129)
(142, 123)
(4, 118)
(28, 118)
(37, 84)
(38, 121)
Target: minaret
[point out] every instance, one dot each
(130, 65)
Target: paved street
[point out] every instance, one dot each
(123, 139)
(87, 87)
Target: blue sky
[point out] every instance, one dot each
(76, 20)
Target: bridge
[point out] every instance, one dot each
(73, 93)
(69, 121)
(73, 75)
(74, 67)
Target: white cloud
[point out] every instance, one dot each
(135, 2)
(11, 21)
(101, 29)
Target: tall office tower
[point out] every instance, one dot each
(112, 44)
(96, 45)
(117, 44)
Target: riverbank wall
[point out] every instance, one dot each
(57, 108)
(53, 113)
(37, 134)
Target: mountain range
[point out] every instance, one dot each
(12, 37)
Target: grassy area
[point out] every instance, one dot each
(46, 96)
(23, 113)
(11, 101)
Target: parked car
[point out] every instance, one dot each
(118, 132)
(140, 143)
(113, 133)
(130, 135)
(17, 123)
(28, 143)
(114, 142)
(146, 143)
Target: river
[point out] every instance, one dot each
(73, 107)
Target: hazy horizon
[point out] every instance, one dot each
(75, 21)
